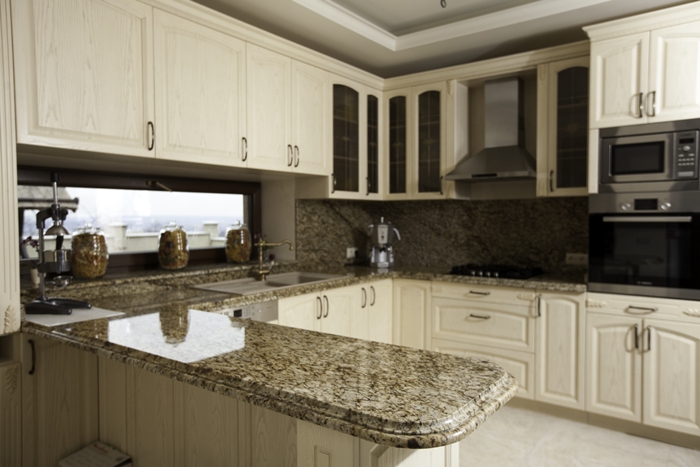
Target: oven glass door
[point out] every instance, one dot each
(646, 251)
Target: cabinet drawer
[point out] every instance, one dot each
(475, 322)
(519, 364)
(490, 294)
(649, 307)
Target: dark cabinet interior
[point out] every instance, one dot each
(397, 144)
(346, 141)
(572, 127)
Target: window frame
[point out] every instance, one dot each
(133, 262)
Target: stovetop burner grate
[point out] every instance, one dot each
(504, 272)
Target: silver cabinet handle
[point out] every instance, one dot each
(472, 315)
(367, 180)
(644, 310)
(333, 183)
(290, 155)
(244, 156)
(653, 104)
(320, 308)
(364, 297)
(32, 370)
(538, 305)
(648, 338)
(551, 181)
(636, 336)
(325, 299)
(654, 219)
(152, 129)
(640, 102)
(374, 295)
(296, 156)
(476, 292)
(441, 179)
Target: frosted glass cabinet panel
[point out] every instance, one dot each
(429, 140)
(397, 145)
(346, 138)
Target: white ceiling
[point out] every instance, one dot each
(397, 37)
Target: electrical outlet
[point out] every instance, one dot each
(351, 252)
(577, 259)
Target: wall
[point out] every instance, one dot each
(440, 234)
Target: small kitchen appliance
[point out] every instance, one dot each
(54, 261)
(382, 255)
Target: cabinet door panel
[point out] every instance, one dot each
(268, 89)
(519, 364)
(321, 447)
(200, 92)
(618, 76)
(428, 135)
(310, 119)
(84, 74)
(560, 347)
(614, 367)
(411, 313)
(674, 73)
(380, 311)
(338, 313)
(672, 376)
(300, 312)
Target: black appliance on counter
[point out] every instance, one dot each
(503, 272)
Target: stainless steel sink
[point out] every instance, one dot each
(250, 286)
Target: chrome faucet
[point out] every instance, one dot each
(262, 273)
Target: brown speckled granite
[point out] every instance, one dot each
(534, 232)
(387, 394)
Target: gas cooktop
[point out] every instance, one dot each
(505, 272)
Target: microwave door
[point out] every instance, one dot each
(637, 159)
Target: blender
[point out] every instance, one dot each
(54, 261)
(382, 233)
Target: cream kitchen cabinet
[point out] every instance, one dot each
(651, 76)
(288, 114)
(84, 75)
(642, 361)
(495, 323)
(200, 93)
(416, 142)
(372, 319)
(59, 400)
(412, 313)
(321, 447)
(560, 349)
(10, 313)
(330, 311)
(562, 136)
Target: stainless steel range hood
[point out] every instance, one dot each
(504, 157)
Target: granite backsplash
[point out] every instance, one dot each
(533, 232)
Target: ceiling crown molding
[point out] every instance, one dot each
(508, 17)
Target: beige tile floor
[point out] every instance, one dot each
(520, 437)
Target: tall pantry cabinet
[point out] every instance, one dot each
(9, 238)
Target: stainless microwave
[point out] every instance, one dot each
(652, 157)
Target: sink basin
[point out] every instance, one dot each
(274, 282)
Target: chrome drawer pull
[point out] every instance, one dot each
(476, 292)
(479, 316)
(644, 310)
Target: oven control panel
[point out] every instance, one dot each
(686, 154)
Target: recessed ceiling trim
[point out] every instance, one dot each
(508, 17)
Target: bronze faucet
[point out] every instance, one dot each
(262, 274)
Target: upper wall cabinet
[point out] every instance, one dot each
(416, 142)
(200, 93)
(84, 74)
(646, 77)
(287, 114)
(356, 141)
(562, 146)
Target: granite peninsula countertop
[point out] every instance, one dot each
(387, 394)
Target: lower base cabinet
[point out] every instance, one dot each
(412, 313)
(644, 361)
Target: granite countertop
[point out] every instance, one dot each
(383, 393)
(387, 394)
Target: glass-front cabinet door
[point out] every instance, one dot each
(346, 139)
(397, 144)
(429, 139)
(357, 141)
(563, 166)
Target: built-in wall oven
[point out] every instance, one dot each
(645, 244)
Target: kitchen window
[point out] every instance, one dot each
(131, 210)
